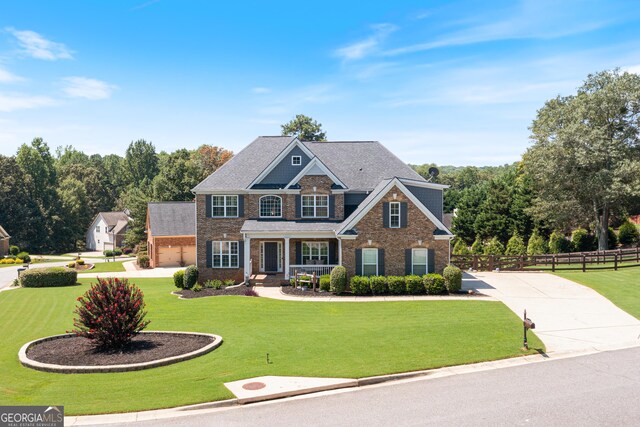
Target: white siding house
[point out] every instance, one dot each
(107, 231)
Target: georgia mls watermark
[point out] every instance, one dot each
(31, 416)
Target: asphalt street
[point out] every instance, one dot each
(600, 390)
(7, 274)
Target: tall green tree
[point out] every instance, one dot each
(586, 153)
(305, 128)
(141, 162)
(177, 175)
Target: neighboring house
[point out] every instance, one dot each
(282, 205)
(4, 242)
(107, 231)
(171, 233)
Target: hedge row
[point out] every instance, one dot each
(430, 284)
(48, 277)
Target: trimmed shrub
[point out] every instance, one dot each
(494, 247)
(108, 253)
(229, 282)
(558, 244)
(213, 284)
(360, 285)
(143, 260)
(72, 264)
(325, 282)
(477, 248)
(628, 233)
(537, 244)
(48, 277)
(178, 279)
(452, 278)
(414, 285)
(79, 262)
(338, 279)
(582, 241)
(117, 251)
(190, 277)
(250, 293)
(612, 238)
(197, 287)
(515, 245)
(14, 250)
(378, 285)
(396, 284)
(24, 256)
(18, 261)
(460, 248)
(110, 313)
(434, 284)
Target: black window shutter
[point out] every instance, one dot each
(403, 214)
(207, 201)
(385, 215)
(333, 253)
(298, 252)
(431, 261)
(407, 261)
(240, 253)
(209, 250)
(332, 206)
(380, 262)
(240, 205)
(298, 206)
(358, 262)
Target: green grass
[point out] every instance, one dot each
(302, 339)
(106, 267)
(621, 287)
(33, 261)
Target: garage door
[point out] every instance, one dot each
(189, 255)
(169, 257)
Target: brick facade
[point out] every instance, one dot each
(155, 243)
(394, 241)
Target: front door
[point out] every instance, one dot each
(270, 257)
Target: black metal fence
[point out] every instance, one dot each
(611, 259)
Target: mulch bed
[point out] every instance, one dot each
(290, 290)
(84, 267)
(146, 347)
(207, 292)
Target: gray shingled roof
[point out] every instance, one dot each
(245, 166)
(361, 165)
(112, 218)
(3, 234)
(172, 218)
(256, 226)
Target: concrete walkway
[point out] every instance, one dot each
(568, 316)
(276, 293)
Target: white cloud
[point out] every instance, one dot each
(12, 102)
(359, 50)
(635, 69)
(83, 87)
(8, 77)
(36, 46)
(260, 90)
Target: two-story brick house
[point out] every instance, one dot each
(282, 205)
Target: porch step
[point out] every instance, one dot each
(267, 280)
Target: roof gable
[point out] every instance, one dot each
(284, 171)
(315, 167)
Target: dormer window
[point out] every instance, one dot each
(296, 160)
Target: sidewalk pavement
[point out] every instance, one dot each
(568, 316)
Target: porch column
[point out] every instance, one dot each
(247, 257)
(339, 251)
(286, 258)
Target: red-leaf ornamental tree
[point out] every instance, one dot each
(111, 313)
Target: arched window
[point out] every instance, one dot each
(270, 206)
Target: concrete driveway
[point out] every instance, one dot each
(568, 316)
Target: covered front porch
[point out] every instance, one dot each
(312, 248)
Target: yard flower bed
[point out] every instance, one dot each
(302, 339)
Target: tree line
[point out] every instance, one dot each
(48, 200)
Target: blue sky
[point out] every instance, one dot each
(447, 82)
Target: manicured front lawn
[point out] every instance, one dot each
(302, 338)
(106, 267)
(622, 287)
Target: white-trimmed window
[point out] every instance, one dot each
(419, 261)
(315, 253)
(315, 206)
(394, 215)
(224, 206)
(97, 228)
(369, 262)
(224, 254)
(296, 160)
(270, 206)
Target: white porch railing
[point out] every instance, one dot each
(310, 269)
